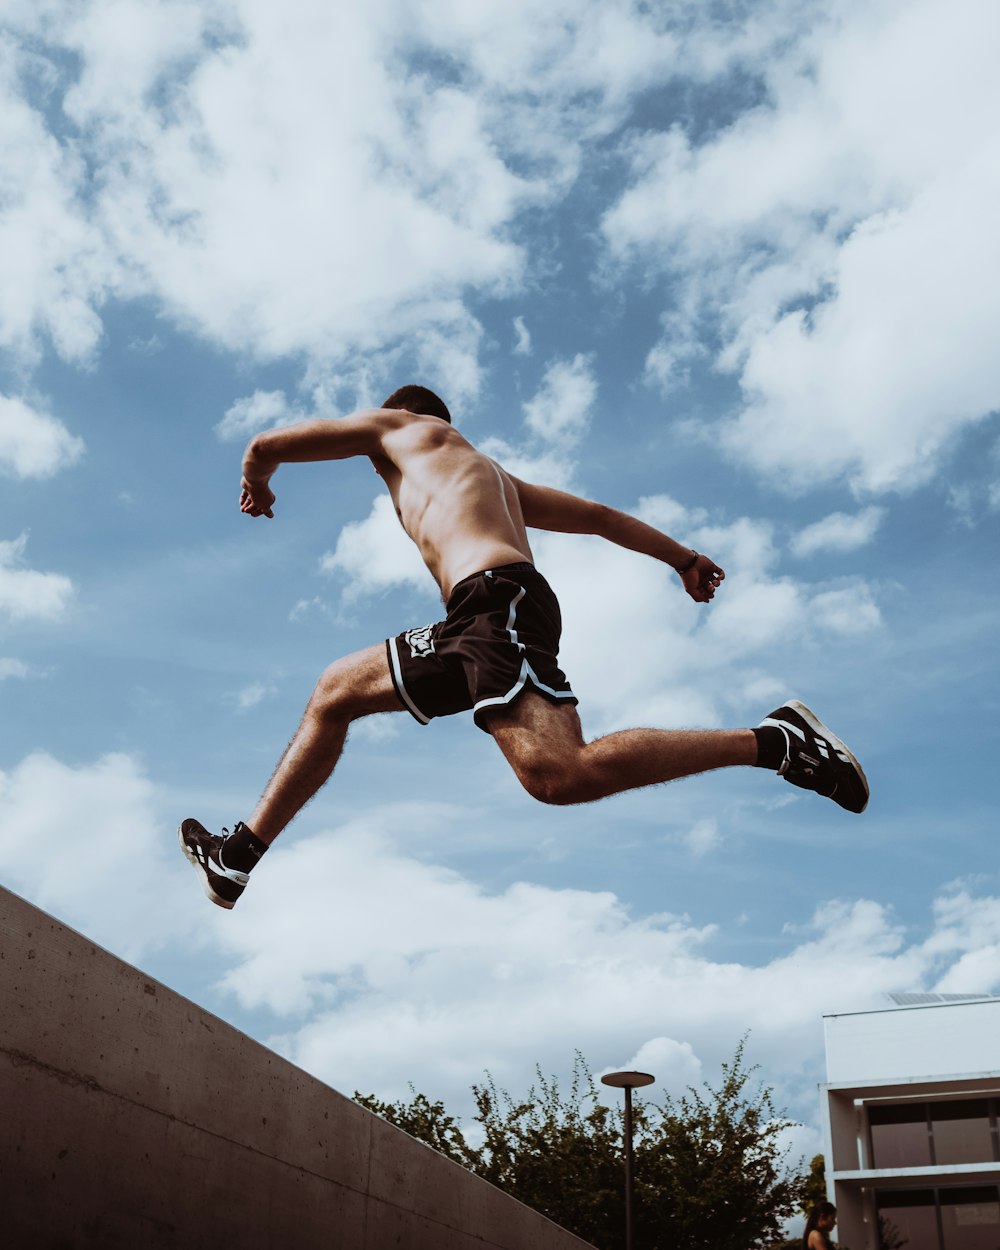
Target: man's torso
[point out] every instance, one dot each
(459, 507)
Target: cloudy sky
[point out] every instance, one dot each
(731, 267)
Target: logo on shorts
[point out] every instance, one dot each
(420, 642)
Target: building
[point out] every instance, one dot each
(911, 1109)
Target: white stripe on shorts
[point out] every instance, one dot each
(397, 672)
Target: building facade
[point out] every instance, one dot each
(912, 1110)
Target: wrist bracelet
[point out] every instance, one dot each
(690, 564)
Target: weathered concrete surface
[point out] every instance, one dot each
(131, 1118)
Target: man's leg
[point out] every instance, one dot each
(543, 742)
(359, 685)
(354, 687)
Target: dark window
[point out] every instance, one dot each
(899, 1136)
(970, 1218)
(961, 1131)
(908, 1218)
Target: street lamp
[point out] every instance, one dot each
(628, 1081)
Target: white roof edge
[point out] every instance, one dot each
(936, 1079)
(879, 1011)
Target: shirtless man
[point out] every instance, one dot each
(496, 651)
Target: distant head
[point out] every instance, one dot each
(420, 401)
(823, 1217)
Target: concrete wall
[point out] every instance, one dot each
(131, 1118)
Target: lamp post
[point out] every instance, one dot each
(628, 1081)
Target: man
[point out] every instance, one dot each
(496, 651)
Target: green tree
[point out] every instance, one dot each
(710, 1172)
(560, 1154)
(428, 1122)
(814, 1186)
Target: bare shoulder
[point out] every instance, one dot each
(407, 434)
(372, 430)
(381, 421)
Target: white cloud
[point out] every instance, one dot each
(255, 412)
(522, 345)
(382, 967)
(10, 667)
(881, 376)
(276, 206)
(32, 443)
(965, 924)
(306, 607)
(375, 554)
(375, 729)
(838, 532)
(674, 1064)
(702, 837)
(555, 420)
(452, 979)
(253, 694)
(26, 594)
(54, 269)
(73, 835)
(217, 165)
(567, 49)
(531, 462)
(839, 236)
(560, 412)
(847, 610)
(205, 156)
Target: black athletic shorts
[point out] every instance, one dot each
(500, 635)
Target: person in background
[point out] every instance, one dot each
(822, 1219)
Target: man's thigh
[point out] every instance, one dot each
(533, 730)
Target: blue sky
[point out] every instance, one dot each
(732, 271)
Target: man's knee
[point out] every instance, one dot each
(544, 745)
(334, 694)
(551, 781)
(357, 685)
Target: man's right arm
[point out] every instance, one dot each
(336, 438)
(548, 509)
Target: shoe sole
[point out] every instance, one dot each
(206, 885)
(817, 726)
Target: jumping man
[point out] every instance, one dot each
(495, 653)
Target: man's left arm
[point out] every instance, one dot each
(548, 509)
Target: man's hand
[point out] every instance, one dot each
(256, 499)
(702, 579)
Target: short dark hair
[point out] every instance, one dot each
(419, 400)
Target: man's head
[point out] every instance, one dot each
(419, 400)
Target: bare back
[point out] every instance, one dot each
(459, 507)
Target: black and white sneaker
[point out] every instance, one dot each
(816, 759)
(204, 850)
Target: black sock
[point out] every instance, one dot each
(771, 747)
(242, 849)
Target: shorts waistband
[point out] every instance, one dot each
(519, 566)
